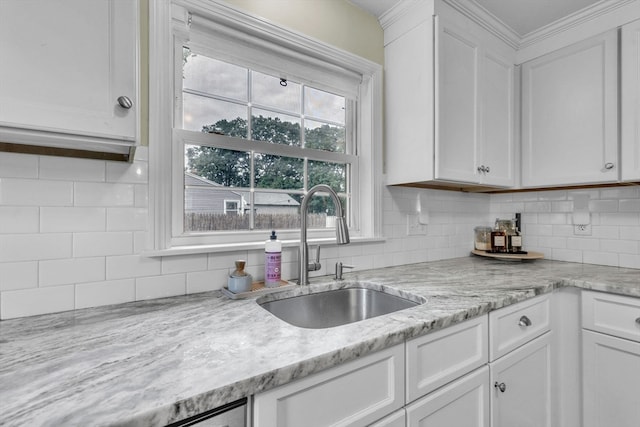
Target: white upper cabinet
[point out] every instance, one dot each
(449, 101)
(69, 74)
(630, 114)
(570, 115)
(474, 109)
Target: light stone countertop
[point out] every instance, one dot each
(154, 362)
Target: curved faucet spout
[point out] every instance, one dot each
(342, 232)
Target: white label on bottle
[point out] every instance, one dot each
(499, 241)
(516, 241)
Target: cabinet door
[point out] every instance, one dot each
(436, 359)
(630, 114)
(353, 394)
(397, 419)
(496, 155)
(464, 402)
(570, 115)
(611, 377)
(408, 74)
(65, 63)
(456, 92)
(521, 383)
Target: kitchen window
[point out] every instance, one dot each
(259, 115)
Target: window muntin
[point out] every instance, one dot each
(284, 126)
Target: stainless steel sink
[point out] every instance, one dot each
(336, 307)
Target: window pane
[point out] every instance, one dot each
(273, 127)
(322, 136)
(332, 174)
(204, 208)
(203, 114)
(271, 92)
(276, 211)
(213, 77)
(279, 172)
(324, 105)
(217, 167)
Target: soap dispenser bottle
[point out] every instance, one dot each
(272, 261)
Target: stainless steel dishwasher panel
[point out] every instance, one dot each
(233, 414)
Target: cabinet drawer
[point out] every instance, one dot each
(356, 393)
(611, 314)
(464, 402)
(512, 326)
(438, 358)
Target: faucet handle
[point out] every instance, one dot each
(318, 254)
(315, 266)
(339, 267)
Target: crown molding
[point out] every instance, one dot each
(396, 12)
(589, 13)
(495, 26)
(486, 20)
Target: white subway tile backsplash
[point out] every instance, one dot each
(73, 270)
(122, 267)
(77, 228)
(184, 263)
(19, 219)
(105, 293)
(601, 258)
(583, 244)
(605, 231)
(62, 219)
(13, 165)
(219, 261)
(136, 173)
(141, 196)
(29, 302)
(205, 281)
(18, 275)
(629, 261)
(102, 244)
(620, 218)
(103, 194)
(32, 192)
(603, 206)
(30, 247)
(619, 246)
(127, 219)
(631, 233)
(71, 169)
(629, 205)
(568, 255)
(160, 286)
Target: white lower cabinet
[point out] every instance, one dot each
(611, 360)
(463, 403)
(611, 377)
(521, 383)
(356, 393)
(397, 419)
(436, 359)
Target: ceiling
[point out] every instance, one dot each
(522, 16)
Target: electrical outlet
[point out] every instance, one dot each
(582, 229)
(414, 227)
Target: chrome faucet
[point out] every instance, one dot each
(342, 232)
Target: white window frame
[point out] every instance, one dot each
(169, 23)
(236, 210)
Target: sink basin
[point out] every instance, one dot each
(336, 307)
